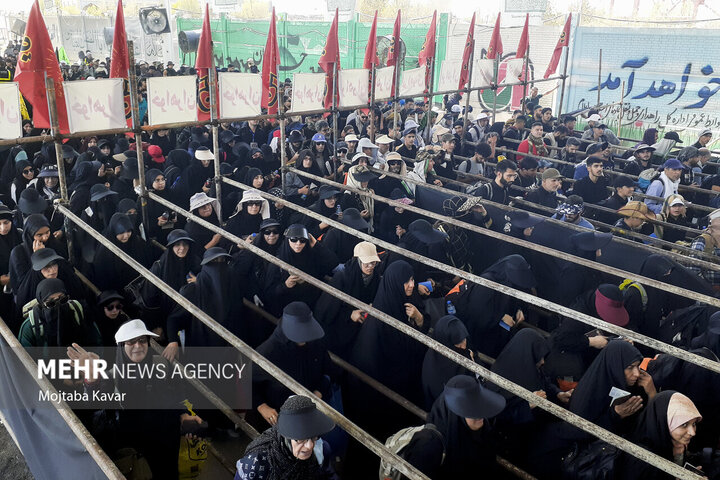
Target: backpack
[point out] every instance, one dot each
(684, 324)
(480, 189)
(627, 284)
(38, 328)
(646, 177)
(595, 461)
(397, 442)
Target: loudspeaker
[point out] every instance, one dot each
(154, 21)
(18, 27)
(188, 40)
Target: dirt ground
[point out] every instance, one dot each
(12, 463)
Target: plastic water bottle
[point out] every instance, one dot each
(338, 209)
(450, 308)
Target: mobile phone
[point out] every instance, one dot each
(165, 215)
(693, 469)
(427, 285)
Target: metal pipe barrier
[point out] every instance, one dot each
(350, 427)
(82, 434)
(518, 294)
(609, 437)
(678, 257)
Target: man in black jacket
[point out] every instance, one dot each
(547, 193)
(593, 188)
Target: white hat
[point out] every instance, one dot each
(383, 139)
(594, 118)
(365, 143)
(200, 199)
(204, 153)
(132, 329)
(456, 108)
(713, 215)
(366, 252)
(351, 138)
(358, 156)
(481, 116)
(253, 195)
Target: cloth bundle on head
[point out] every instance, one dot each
(564, 208)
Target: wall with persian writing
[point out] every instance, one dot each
(670, 78)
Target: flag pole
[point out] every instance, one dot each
(599, 76)
(138, 136)
(396, 75)
(431, 87)
(212, 74)
(468, 93)
(283, 153)
(62, 179)
(527, 75)
(334, 116)
(495, 85)
(371, 101)
(564, 77)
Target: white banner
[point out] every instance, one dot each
(449, 75)
(383, 82)
(514, 70)
(353, 87)
(171, 100)
(483, 72)
(412, 82)
(95, 105)
(10, 118)
(240, 94)
(308, 92)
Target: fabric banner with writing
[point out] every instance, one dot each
(353, 87)
(308, 92)
(383, 82)
(413, 82)
(514, 70)
(483, 72)
(171, 99)
(240, 94)
(10, 118)
(449, 75)
(95, 105)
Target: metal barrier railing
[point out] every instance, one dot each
(609, 437)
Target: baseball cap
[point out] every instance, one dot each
(366, 252)
(551, 173)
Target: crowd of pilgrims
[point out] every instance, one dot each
(666, 405)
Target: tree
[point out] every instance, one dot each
(187, 6)
(254, 9)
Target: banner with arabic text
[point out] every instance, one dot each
(353, 87)
(483, 72)
(308, 92)
(10, 118)
(240, 94)
(383, 83)
(412, 82)
(449, 75)
(171, 100)
(95, 105)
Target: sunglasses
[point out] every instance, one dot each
(114, 306)
(58, 301)
(363, 117)
(254, 204)
(28, 170)
(271, 231)
(140, 341)
(298, 239)
(394, 162)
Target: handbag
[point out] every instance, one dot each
(595, 461)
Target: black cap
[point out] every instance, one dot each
(43, 257)
(269, 222)
(622, 181)
(31, 202)
(297, 230)
(177, 235)
(327, 191)
(108, 296)
(351, 218)
(213, 253)
(673, 136)
(299, 419)
(299, 325)
(99, 191)
(425, 232)
(466, 398)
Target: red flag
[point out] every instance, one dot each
(203, 64)
(523, 43)
(496, 46)
(371, 57)
(36, 58)
(119, 60)
(271, 60)
(394, 51)
(428, 49)
(467, 53)
(563, 41)
(330, 55)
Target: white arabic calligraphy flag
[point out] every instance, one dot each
(171, 100)
(308, 92)
(240, 94)
(95, 105)
(10, 119)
